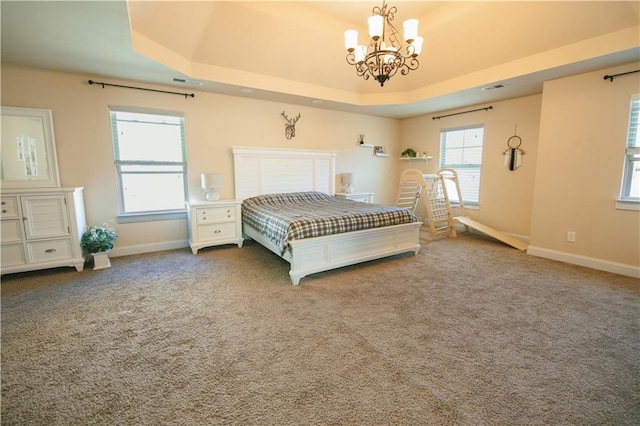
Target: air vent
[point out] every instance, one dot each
(497, 86)
(185, 81)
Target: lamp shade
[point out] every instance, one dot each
(410, 29)
(361, 52)
(375, 26)
(350, 39)
(417, 45)
(211, 180)
(348, 179)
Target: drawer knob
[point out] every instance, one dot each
(50, 251)
(4, 211)
(217, 231)
(3, 203)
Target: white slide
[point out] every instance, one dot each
(494, 233)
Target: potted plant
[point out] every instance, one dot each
(97, 241)
(409, 152)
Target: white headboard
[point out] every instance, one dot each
(259, 171)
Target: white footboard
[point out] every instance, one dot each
(319, 254)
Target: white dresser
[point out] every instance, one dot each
(41, 228)
(213, 223)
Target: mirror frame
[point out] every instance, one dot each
(50, 146)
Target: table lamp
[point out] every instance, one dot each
(348, 180)
(211, 182)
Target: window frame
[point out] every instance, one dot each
(441, 160)
(632, 148)
(147, 215)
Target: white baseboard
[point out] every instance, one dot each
(148, 248)
(589, 262)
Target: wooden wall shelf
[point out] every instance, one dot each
(416, 158)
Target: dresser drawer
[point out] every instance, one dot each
(217, 231)
(216, 215)
(12, 255)
(9, 207)
(44, 251)
(11, 231)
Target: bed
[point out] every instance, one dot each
(263, 175)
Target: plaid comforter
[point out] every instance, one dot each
(287, 217)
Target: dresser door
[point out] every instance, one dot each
(45, 216)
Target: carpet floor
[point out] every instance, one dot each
(468, 332)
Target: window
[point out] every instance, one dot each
(151, 165)
(630, 193)
(461, 150)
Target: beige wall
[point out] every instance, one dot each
(573, 135)
(583, 133)
(505, 196)
(214, 123)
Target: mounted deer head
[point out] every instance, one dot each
(290, 127)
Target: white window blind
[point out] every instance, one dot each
(461, 150)
(631, 172)
(150, 160)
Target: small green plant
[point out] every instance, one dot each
(97, 239)
(408, 153)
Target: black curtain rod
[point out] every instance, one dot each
(463, 112)
(611, 77)
(142, 88)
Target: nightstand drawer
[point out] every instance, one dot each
(9, 207)
(44, 251)
(361, 198)
(216, 215)
(364, 197)
(217, 231)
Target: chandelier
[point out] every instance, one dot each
(387, 51)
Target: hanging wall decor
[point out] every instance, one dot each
(290, 127)
(513, 154)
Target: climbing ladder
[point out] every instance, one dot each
(439, 218)
(414, 186)
(452, 185)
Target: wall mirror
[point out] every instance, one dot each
(28, 149)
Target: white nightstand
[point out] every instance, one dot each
(213, 223)
(365, 197)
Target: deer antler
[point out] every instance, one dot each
(290, 121)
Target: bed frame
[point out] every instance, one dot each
(259, 171)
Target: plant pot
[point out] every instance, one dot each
(101, 260)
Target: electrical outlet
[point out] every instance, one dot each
(571, 237)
